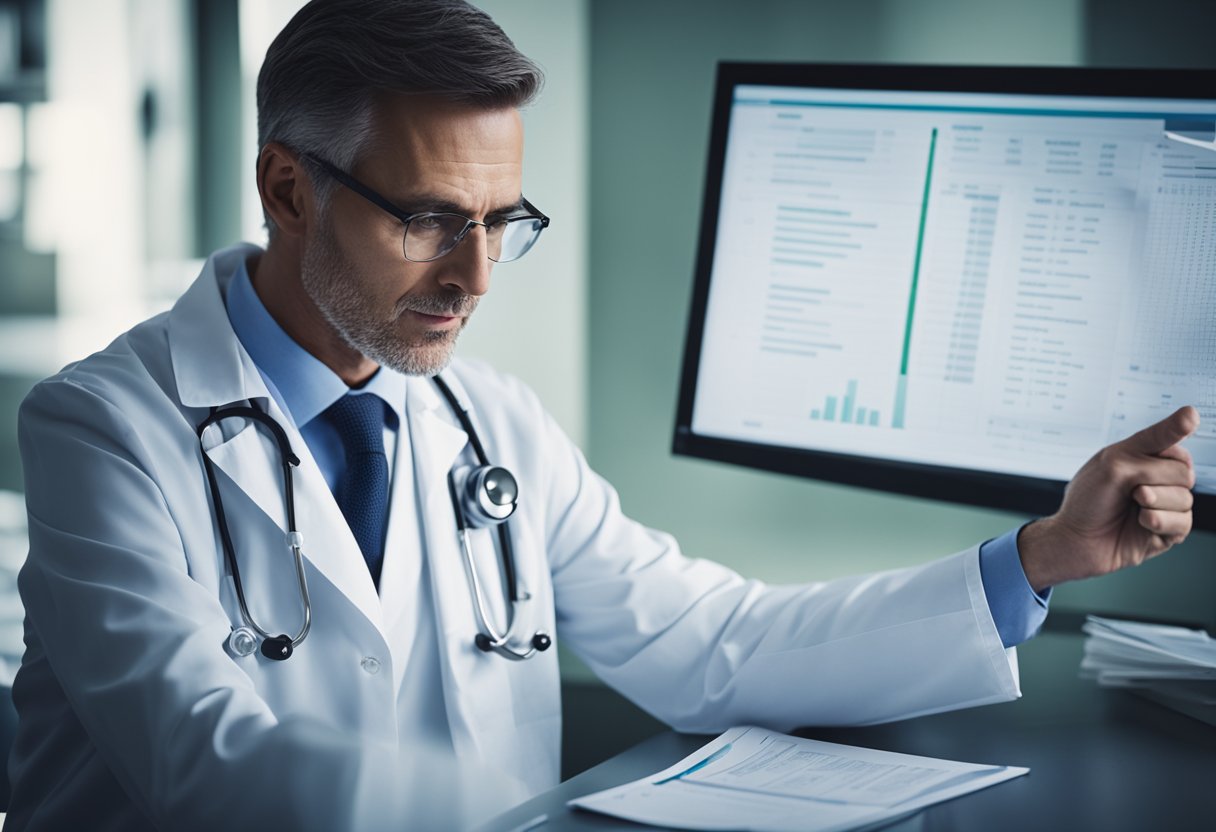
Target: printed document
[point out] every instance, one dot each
(1170, 665)
(755, 779)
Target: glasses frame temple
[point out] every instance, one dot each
(371, 196)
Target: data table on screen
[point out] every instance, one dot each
(996, 282)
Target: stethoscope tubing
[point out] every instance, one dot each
(488, 639)
(500, 644)
(295, 539)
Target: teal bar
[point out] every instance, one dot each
(874, 417)
(901, 394)
(829, 410)
(847, 415)
(815, 413)
(861, 416)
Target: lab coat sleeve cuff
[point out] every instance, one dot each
(1017, 610)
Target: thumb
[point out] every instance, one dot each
(1164, 434)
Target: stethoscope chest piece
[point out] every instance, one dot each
(488, 494)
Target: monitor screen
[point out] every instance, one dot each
(958, 283)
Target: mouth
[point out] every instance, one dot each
(434, 320)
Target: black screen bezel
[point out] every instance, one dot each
(958, 485)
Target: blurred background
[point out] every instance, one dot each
(127, 147)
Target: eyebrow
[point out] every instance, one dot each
(431, 204)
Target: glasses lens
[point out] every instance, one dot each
(429, 236)
(517, 237)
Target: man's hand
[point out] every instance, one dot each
(1128, 503)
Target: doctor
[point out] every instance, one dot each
(209, 648)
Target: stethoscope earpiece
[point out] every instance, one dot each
(277, 648)
(541, 641)
(242, 641)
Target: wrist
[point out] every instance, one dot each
(1037, 547)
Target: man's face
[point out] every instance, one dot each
(425, 155)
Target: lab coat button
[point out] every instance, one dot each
(370, 665)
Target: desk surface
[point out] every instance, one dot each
(1099, 759)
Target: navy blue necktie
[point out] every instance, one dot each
(362, 489)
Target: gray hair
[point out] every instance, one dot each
(318, 85)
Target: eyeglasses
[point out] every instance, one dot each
(430, 235)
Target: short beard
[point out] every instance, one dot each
(331, 283)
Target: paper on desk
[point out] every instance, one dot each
(1130, 650)
(754, 779)
(1171, 665)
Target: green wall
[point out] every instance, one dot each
(652, 69)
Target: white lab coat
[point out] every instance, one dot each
(134, 715)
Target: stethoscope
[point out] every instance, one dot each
(483, 495)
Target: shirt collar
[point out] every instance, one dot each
(305, 385)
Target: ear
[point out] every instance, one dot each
(285, 188)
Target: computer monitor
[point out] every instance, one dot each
(952, 282)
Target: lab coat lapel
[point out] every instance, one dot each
(209, 365)
(476, 688)
(249, 457)
(213, 370)
(251, 460)
(329, 542)
(400, 579)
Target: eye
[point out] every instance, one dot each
(427, 222)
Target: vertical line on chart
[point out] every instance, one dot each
(901, 389)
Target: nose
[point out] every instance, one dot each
(467, 267)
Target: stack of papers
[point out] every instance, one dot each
(754, 779)
(1171, 665)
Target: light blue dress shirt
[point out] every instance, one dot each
(1017, 609)
(305, 387)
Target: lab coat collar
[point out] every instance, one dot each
(208, 361)
(213, 370)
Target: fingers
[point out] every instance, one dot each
(1164, 497)
(1164, 434)
(1179, 453)
(1172, 526)
(1166, 509)
(1152, 471)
